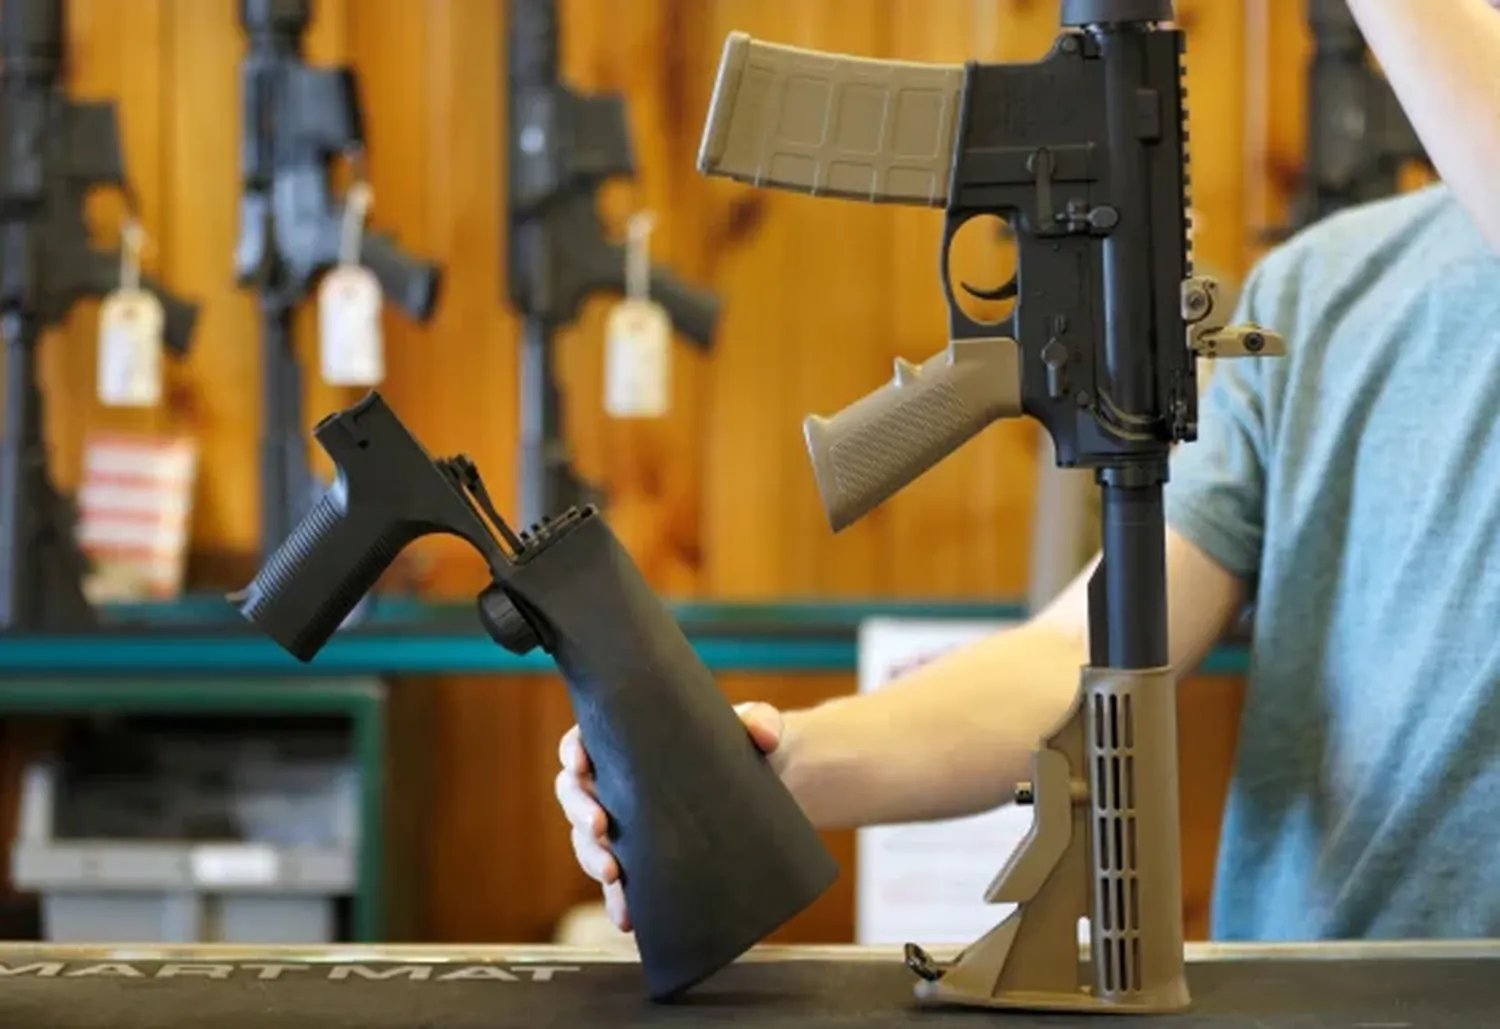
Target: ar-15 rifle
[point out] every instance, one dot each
(715, 853)
(56, 151)
(1358, 137)
(562, 148)
(1084, 154)
(296, 119)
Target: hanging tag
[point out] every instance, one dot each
(349, 304)
(130, 330)
(638, 371)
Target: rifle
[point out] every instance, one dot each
(562, 148)
(1358, 136)
(296, 119)
(1084, 154)
(714, 851)
(56, 150)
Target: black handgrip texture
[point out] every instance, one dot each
(179, 317)
(319, 574)
(694, 312)
(408, 282)
(714, 851)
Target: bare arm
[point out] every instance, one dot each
(1442, 58)
(953, 737)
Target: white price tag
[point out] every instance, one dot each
(349, 338)
(234, 864)
(130, 328)
(638, 372)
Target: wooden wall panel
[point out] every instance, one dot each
(714, 500)
(810, 321)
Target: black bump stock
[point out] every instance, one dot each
(715, 852)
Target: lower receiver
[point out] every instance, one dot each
(715, 853)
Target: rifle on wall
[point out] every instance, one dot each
(561, 149)
(296, 120)
(56, 150)
(1359, 139)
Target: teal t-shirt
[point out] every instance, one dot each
(1355, 484)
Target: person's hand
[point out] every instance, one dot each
(575, 792)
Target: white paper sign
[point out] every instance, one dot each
(925, 883)
(638, 373)
(130, 328)
(349, 338)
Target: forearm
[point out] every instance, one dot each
(951, 738)
(1442, 58)
(955, 736)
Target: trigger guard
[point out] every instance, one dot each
(1005, 291)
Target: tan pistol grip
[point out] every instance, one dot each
(880, 443)
(828, 124)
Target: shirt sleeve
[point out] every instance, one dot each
(1216, 494)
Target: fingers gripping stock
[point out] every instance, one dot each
(715, 853)
(878, 445)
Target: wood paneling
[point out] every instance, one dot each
(714, 500)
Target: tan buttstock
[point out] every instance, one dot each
(1104, 845)
(880, 443)
(828, 124)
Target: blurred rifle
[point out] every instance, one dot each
(1359, 140)
(296, 120)
(56, 151)
(562, 148)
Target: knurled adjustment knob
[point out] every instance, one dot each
(505, 623)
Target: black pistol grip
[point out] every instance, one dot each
(179, 316)
(408, 282)
(388, 493)
(714, 851)
(694, 312)
(319, 574)
(96, 273)
(94, 154)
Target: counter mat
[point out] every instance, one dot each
(36, 993)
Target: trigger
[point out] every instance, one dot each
(1002, 292)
